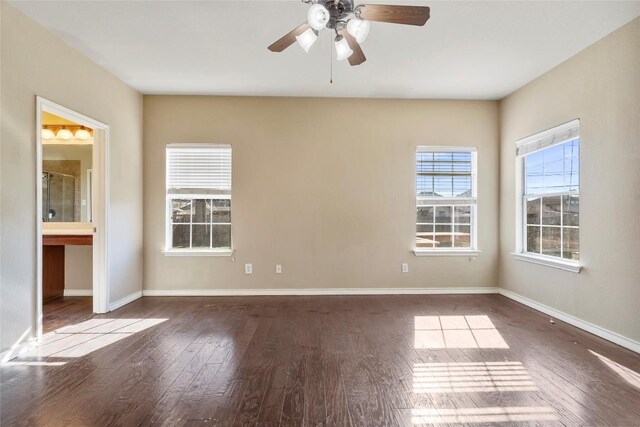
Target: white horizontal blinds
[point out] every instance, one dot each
(444, 175)
(548, 138)
(202, 169)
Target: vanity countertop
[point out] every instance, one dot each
(67, 228)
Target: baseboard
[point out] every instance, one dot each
(124, 301)
(316, 291)
(78, 292)
(572, 320)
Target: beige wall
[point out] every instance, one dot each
(325, 187)
(27, 54)
(601, 87)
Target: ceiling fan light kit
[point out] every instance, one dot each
(343, 51)
(351, 24)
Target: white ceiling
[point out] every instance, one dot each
(467, 50)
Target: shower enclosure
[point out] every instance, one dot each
(58, 197)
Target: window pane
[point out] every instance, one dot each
(425, 214)
(221, 236)
(551, 210)
(443, 238)
(551, 241)
(443, 214)
(533, 211)
(222, 211)
(181, 236)
(181, 210)
(201, 236)
(462, 236)
(533, 239)
(463, 214)
(554, 169)
(570, 210)
(202, 211)
(444, 174)
(424, 228)
(570, 244)
(424, 236)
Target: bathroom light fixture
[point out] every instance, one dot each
(47, 133)
(64, 133)
(83, 133)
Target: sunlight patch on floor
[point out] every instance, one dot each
(471, 377)
(630, 376)
(440, 332)
(482, 415)
(85, 337)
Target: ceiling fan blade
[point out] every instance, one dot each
(357, 57)
(408, 15)
(288, 39)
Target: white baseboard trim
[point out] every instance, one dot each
(78, 292)
(17, 350)
(572, 320)
(316, 291)
(124, 301)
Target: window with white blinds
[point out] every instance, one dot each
(198, 197)
(446, 199)
(199, 169)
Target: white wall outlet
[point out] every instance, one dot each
(248, 268)
(278, 268)
(405, 268)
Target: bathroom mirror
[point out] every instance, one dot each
(67, 157)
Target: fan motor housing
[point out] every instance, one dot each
(338, 10)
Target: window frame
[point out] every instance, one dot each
(472, 250)
(169, 250)
(520, 253)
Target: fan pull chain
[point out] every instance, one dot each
(331, 62)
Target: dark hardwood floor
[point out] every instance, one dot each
(64, 311)
(351, 360)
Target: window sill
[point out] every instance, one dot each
(549, 262)
(175, 252)
(463, 253)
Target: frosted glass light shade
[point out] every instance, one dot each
(83, 133)
(359, 29)
(307, 39)
(64, 134)
(48, 134)
(343, 51)
(318, 17)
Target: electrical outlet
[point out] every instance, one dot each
(278, 268)
(248, 268)
(405, 268)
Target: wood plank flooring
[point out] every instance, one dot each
(334, 361)
(60, 312)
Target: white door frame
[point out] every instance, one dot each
(99, 201)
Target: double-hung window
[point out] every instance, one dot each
(548, 167)
(198, 198)
(446, 200)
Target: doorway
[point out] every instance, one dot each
(71, 177)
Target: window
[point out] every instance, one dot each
(198, 198)
(549, 176)
(445, 200)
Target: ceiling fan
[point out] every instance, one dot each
(351, 24)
